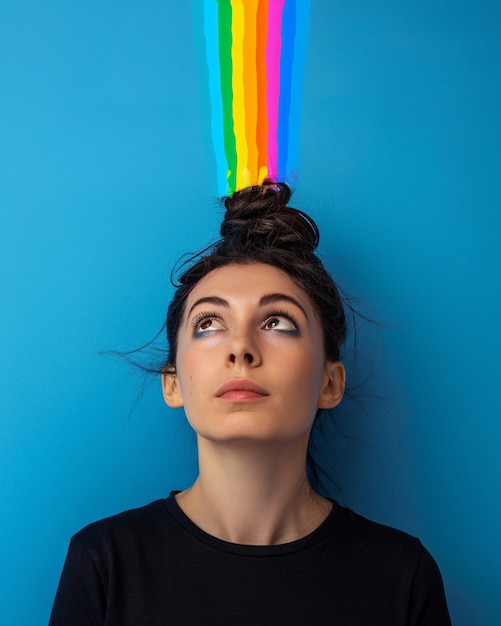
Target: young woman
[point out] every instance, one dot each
(255, 330)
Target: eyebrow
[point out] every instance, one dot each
(271, 298)
(210, 300)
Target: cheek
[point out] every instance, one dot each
(192, 368)
(310, 373)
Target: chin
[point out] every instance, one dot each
(253, 434)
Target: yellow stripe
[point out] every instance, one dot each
(237, 32)
(263, 173)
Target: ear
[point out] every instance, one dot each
(172, 391)
(332, 389)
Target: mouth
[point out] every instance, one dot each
(241, 390)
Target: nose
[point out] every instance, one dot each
(247, 357)
(243, 350)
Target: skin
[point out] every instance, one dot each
(251, 373)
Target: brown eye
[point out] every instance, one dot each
(206, 323)
(273, 323)
(281, 323)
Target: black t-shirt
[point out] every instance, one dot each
(152, 566)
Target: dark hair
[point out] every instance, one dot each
(260, 227)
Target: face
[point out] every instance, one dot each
(250, 358)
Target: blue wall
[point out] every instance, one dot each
(107, 178)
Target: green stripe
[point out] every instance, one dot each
(226, 67)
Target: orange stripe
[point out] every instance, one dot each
(250, 90)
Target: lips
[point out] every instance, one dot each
(241, 390)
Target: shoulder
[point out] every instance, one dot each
(126, 520)
(384, 546)
(384, 558)
(129, 528)
(389, 566)
(113, 559)
(361, 529)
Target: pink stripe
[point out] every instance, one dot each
(273, 50)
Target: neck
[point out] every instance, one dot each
(254, 494)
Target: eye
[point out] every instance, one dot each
(206, 323)
(281, 322)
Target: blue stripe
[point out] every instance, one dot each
(212, 47)
(296, 95)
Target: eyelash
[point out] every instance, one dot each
(203, 315)
(206, 315)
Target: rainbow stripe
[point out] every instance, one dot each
(256, 51)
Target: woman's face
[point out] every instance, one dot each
(250, 358)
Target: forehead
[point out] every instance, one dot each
(250, 281)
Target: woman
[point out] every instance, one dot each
(255, 330)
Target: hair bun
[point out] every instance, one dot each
(259, 215)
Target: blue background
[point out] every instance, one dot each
(107, 177)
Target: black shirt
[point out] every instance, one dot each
(153, 566)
